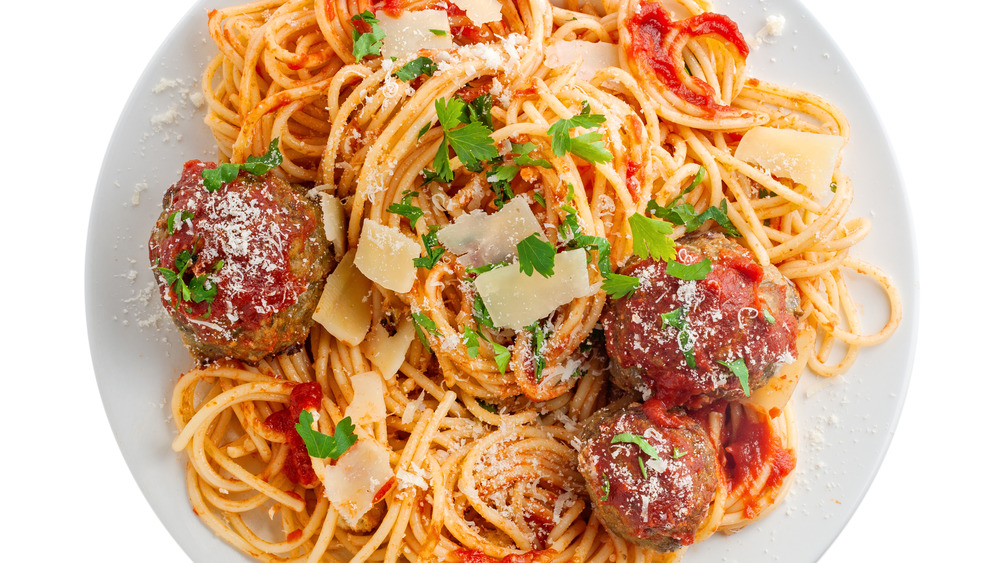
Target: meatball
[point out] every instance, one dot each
(688, 341)
(651, 473)
(240, 269)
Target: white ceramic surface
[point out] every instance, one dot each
(844, 425)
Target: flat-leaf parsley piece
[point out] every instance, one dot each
(589, 146)
(369, 42)
(422, 322)
(225, 172)
(619, 285)
(406, 208)
(321, 445)
(651, 238)
(416, 67)
(536, 254)
(434, 249)
(739, 369)
(465, 133)
(643, 445)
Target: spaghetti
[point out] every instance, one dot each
(483, 446)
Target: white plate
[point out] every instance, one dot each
(844, 426)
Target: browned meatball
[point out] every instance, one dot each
(240, 269)
(687, 341)
(651, 474)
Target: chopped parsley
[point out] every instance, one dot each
(213, 178)
(536, 254)
(368, 42)
(678, 453)
(739, 369)
(406, 208)
(438, 32)
(321, 445)
(434, 249)
(538, 342)
(589, 146)
(488, 407)
(416, 67)
(194, 289)
(768, 316)
(678, 320)
(422, 323)
(471, 341)
(683, 214)
(605, 487)
(651, 238)
(175, 219)
(619, 285)
(467, 128)
(627, 438)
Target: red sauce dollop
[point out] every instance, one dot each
(657, 41)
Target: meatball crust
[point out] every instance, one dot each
(678, 339)
(657, 501)
(240, 269)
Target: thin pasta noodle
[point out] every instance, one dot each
(484, 451)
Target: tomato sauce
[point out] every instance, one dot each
(476, 556)
(298, 464)
(657, 42)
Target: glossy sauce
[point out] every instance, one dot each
(657, 42)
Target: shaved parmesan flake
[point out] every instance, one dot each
(357, 476)
(388, 352)
(368, 404)
(515, 300)
(411, 32)
(345, 307)
(334, 224)
(596, 56)
(385, 256)
(479, 239)
(480, 11)
(806, 158)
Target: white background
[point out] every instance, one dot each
(929, 71)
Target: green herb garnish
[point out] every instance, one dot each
(175, 219)
(225, 172)
(619, 285)
(321, 445)
(434, 249)
(406, 208)
(422, 322)
(536, 254)
(465, 132)
(589, 146)
(369, 42)
(416, 67)
(739, 369)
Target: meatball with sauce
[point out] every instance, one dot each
(651, 473)
(240, 269)
(688, 341)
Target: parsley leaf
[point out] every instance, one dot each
(678, 453)
(471, 342)
(522, 152)
(321, 445)
(589, 146)
(438, 32)
(678, 320)
(538, 339)
(739, 369)
(422, 322)
(225, 172)
(416, 67)
(501, 356)
(488, 407)
(434, 249)
(466, 133)
(481, 313)
(651, 238)
(370, 42)
(175, 219)
(619, 285)
(605, 487)
(535, 253)
(690, 272)
(406, 208)
(627, 438)
(768, 316)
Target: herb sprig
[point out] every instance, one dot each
(213, 178)
(324, 446)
